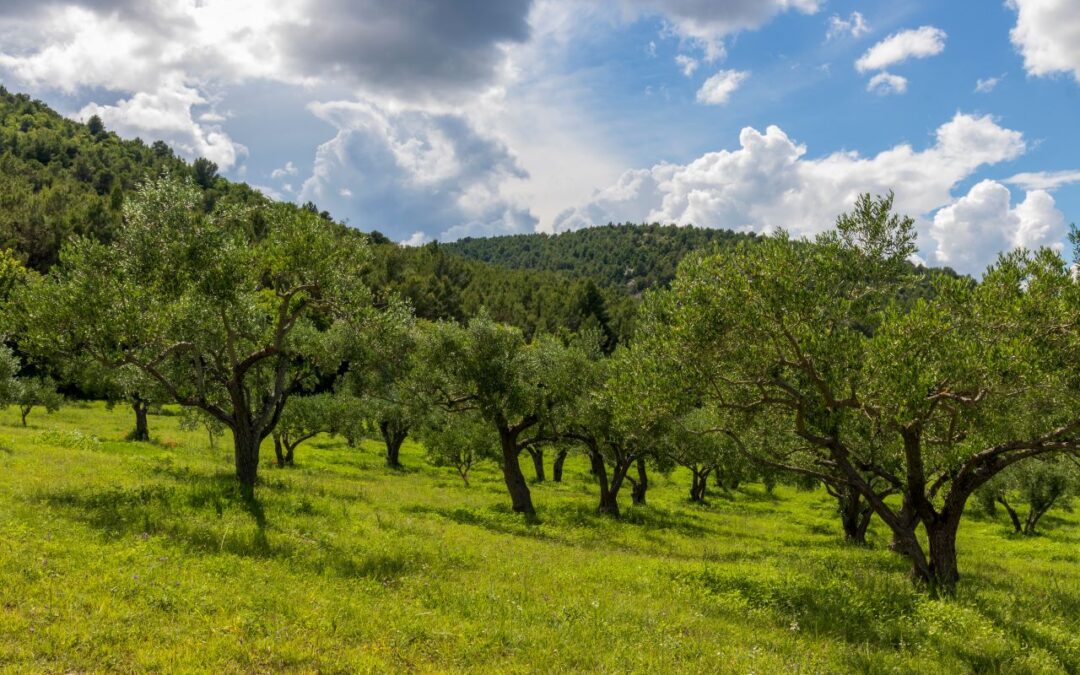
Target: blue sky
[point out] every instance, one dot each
(429, 119)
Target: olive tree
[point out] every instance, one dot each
(116, 385)
(36, 392)
(9, 370)
(303, 418)
(459, 441)
(517, 388)
(382, 377)
(933, 396)
(228, 313)
(1040, 485)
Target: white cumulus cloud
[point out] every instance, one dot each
(687, 64)
(886, 83)
(288, 170)
(708, 22)
(1047, 35)
(986, 85)
(918, 43)
(166, 114)
(969, 233)
(768, 182)
(718, 89)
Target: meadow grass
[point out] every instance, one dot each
(120, 556)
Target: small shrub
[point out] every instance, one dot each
(75, 440)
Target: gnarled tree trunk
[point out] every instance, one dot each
(609, 490)
(246, 444)
(1035, 514)
(142, 427)
(279, 451)
(557, 467)
(943, 572)
(393, 437)
(855, 512)
(538, 464)
(699, 484)
(1013, 515)
(520, 497)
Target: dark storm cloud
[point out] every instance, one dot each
(418, 49)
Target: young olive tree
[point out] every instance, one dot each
(517, 388)
(304, 417)
(615, 421)
(954, 388)
(1039, 484)
(383, 379)
(459, 441)
(228, 313)
(37, 392)
(116, 385)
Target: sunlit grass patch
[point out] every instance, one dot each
(141, 556)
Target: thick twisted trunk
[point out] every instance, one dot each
(246, 454)
(142, 427)
(1035, 514)
(520, 497)
(943, 569)
(1013, 515)
(557, 467)
(855, 514)
(279, 451)
(393, 438)
(609, 490)
(699, 484)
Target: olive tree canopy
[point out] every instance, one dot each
(228, 313)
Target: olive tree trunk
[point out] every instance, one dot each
(393, 437)
(641, 485)
(246, 454)
(142, 427)
(520, 497)
(699, 484)
(855, 512)
(557, 466)
(1013, 515)
(538, 464)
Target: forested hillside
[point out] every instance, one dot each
(633, 257)
(60, 178)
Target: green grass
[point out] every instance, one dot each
(118, 556)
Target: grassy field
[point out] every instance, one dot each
(118, 556)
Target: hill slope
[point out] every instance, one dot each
(634, 257)
(60, 178)
(136, 557)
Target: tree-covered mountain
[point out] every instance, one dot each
(60, 178)
(633, 257)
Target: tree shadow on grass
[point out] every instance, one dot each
(860, 608)
(501, 520)
(496, 519)
(189, 514)
(184, 515)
